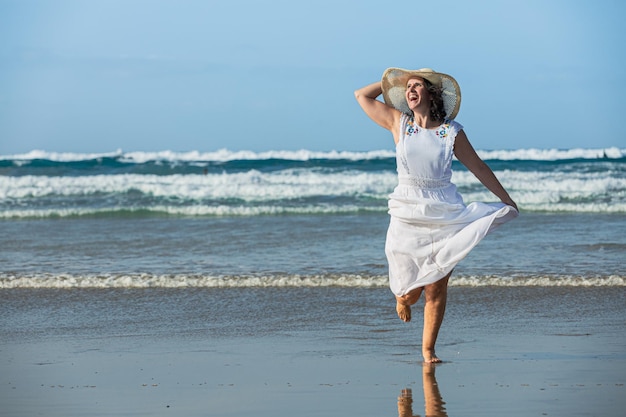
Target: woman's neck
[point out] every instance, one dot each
(425, 121)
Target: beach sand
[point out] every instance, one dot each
(164, 362)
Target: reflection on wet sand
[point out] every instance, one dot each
(433, 403)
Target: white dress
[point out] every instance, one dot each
(431, 229)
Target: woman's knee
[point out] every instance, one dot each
(437, 290)
(410, 298)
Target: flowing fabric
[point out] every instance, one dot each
(431, 229)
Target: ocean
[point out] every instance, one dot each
(230, 283)
(291, 219)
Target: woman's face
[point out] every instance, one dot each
(417, 94)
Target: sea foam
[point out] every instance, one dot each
(67, 281)
(531, 154)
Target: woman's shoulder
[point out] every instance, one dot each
(406, 118)
(452, 126)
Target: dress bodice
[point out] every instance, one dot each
(424, 156)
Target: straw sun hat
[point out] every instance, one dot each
(394, 88)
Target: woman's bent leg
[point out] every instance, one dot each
(404, 303)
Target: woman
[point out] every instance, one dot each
(431, 229)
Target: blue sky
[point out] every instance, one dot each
(182, 75)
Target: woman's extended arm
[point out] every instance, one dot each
(379, 112)
(466, 154)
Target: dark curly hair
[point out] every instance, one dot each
(437, 109)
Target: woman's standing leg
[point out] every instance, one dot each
(435, 298)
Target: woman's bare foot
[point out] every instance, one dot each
(404, 303)
(430, 356)
(404, 312)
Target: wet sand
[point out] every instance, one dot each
(563, 366)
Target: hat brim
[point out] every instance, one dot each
(394, 88)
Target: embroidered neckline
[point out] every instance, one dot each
(441, 131)
(411, 127)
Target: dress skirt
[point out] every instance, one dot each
(431, 231)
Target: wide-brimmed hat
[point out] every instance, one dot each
(394, 88)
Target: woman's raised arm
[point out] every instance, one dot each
(384, 115)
